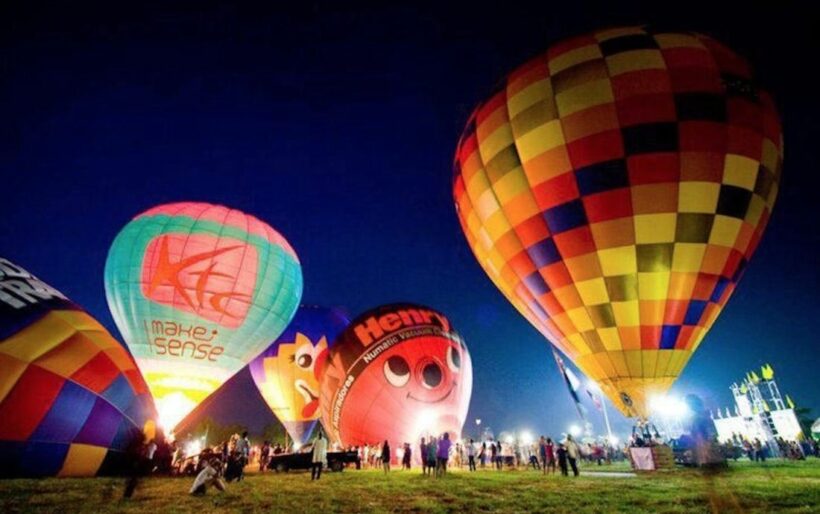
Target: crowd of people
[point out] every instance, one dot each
(216, 465)
(758, 451)
(436, 454)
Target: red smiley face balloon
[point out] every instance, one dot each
(398, 372)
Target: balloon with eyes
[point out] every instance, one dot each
(288, 373)
(398, 372)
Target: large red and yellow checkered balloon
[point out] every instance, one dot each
(614, 189)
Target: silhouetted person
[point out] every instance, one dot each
(135, 462)
(386, 456)
(562, 459)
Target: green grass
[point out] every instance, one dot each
(744, 487)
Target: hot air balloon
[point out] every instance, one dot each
(397, 372)
(614, 189)
(197, 291)
(72, 400)
(288, 373)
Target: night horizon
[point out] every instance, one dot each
(338, 127)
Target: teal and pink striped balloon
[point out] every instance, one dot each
(197, 291)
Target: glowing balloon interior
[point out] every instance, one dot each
(197, 291)
(71, 398)
(614, 190)
(288, 373)
(397, 372)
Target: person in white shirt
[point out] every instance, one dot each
(319, 457)
(573, 454)
(471, 455)
(208, 476)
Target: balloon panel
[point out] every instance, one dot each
(288, 373)
(71, 397)
(614, 190)
(197, 290)
(398, 372)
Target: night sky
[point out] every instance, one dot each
(337, 125)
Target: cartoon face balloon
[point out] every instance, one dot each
(398, 372)
(71, 397)
(288, 373)
(197, 291)
(614, 190)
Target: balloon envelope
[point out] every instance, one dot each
(614, 190)
(197, 291)
(71, 398)
(288, 372)
(398, 372)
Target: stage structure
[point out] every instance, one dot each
(760, 412)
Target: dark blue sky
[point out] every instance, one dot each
(337, 125)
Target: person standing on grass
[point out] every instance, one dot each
(264, 456)
(499, 456)
(482, 456)
(432, 447)
(405, 458)
(423, 455)
(471, 455)
(319, 456)
(549, 456)
(242, 450)
(493, 454)
(443, 455)
(562, 459)
(135, 455)
(386, 456)
(573, 454)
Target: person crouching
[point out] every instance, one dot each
(209, 475)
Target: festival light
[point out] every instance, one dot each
(172, 408)
(425, 423)
(509, 439)
(574, 430)
(526, 437)
(613, 440)
(669, 407)
(193, 448)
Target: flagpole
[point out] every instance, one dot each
(606, 420)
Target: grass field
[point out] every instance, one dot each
(745, 487)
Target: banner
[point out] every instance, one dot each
(572, 383)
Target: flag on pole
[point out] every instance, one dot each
(595, 399)
(572, 383)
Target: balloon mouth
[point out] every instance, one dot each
(311, 398)
(310, 409)
(439, 400)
